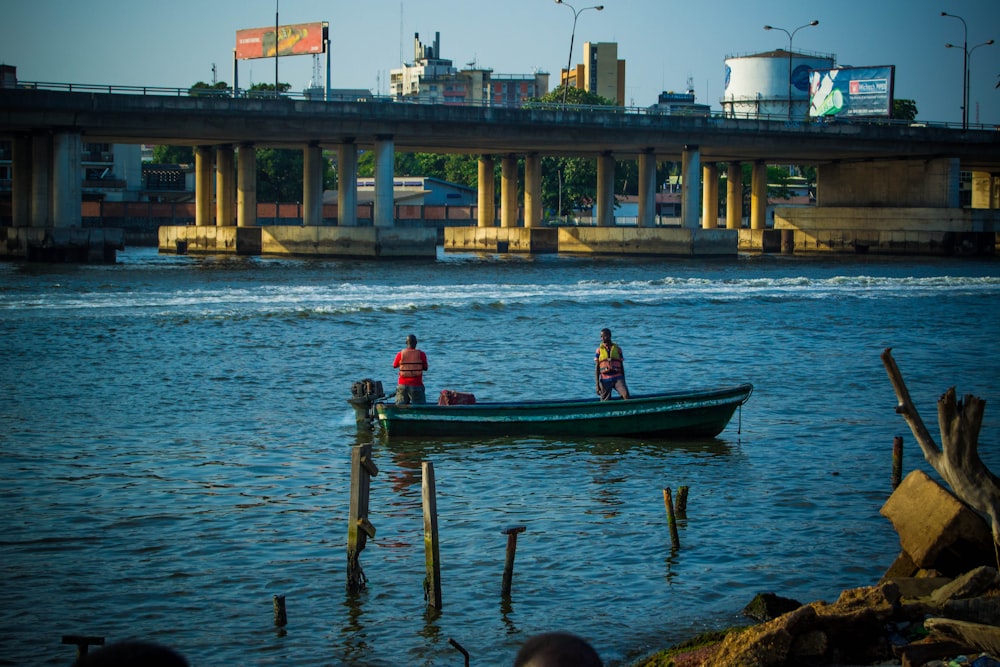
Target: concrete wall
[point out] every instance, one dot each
(310, 241)
(501, 239)
(53, 244)
(917, 183)
(929, 231)
(647, 241)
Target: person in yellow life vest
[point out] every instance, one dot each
(609, 368)
(411, 363)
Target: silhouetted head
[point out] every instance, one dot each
(411, 341)
(557, 649)
(132, 654)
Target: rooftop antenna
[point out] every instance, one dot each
(214, 79)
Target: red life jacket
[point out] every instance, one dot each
(411, 364)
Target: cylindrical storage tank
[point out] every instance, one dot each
(758, 85)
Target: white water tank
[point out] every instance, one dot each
(759, 85)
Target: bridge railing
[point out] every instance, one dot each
(313, 96)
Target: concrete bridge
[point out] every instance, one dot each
(882, 187)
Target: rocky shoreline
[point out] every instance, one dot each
(938, 605)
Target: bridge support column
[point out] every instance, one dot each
(690, 187)
(487, 191)
(347, 189)
(532, 190)
(710, 196)
(312, 185)
(385, 196)
(647, 189)
(225, 182)
(508, 191)
(20, 191)
(606, 189)
(758, 195)
(734, 195)
(41, 180)
(66, 185)
(203, 186)
(246, 186)
(985, 190)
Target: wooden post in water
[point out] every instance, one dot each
(682, 501)
(359, 528)
(897, 461)
(668, 501)
(508, 567)
(83, 643)
(432, 582)
(280, 616)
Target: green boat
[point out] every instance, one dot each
(666, 415)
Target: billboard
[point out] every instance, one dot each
(850, 92)
(293, 40)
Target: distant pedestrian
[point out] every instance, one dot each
(609, 368)
(411, 363)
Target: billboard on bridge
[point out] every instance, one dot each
(293, 40)
(851, 92)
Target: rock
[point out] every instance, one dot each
(768, 606)
(918, 587)
(975, 610)
(765, 645)
(969, 585)
(936, 529)
(981, 637)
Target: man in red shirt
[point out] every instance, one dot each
(411, 363)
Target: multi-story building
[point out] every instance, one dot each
(435, 80)
(601, 72)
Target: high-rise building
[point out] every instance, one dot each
(601, 72)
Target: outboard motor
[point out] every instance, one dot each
(364, 394)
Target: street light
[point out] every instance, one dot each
(791, 35)
(968, 85)
(569, 61)
(965, 69)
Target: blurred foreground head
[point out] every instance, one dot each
(557, 649)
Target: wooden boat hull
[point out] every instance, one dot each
(674, 414)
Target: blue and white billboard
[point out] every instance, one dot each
(849, 92)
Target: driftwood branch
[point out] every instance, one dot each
(957, 460)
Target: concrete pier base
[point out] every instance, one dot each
(898, 231)
(61, 244)
(664, 241)
(535, 240)
(303, 241)
(593, 240)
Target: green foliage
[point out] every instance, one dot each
(575, 96)
(904, 109)
(173, 155)
(282, 87)
(204, 89)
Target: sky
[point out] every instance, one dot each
(666, 43)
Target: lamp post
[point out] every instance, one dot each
(965, 68)
(276, 48)
(966, 91)
(791, 36)
(572, 35)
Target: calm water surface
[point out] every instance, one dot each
(175, 447)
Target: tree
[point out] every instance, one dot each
(173, 155)
(904, 109)
(203, 89)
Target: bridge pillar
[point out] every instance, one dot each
(203, 186)
(758, 195)
(487, 190)
(647, 188)
(20, 191)
(508, 191)
(710, 196)
(734, 195)
(41, 180)
(985, 190)
(225, 182)
(67, 191)
(246, 187)
(606, 189)
(385, 199)
(312, 185)
(690, 187)
(532, 190)
(347, 189)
